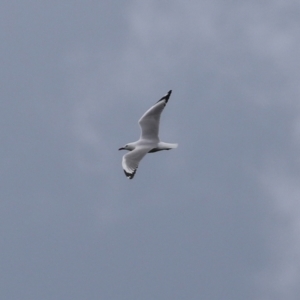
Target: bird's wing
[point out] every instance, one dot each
(149, 122)
(130, 161)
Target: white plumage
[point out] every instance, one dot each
(149, 140)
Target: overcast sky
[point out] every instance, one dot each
(217, 218)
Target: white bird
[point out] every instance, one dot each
(149, 141)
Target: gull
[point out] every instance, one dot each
(149, 141)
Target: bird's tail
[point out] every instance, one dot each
(167, 146)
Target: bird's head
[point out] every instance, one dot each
(128, 147)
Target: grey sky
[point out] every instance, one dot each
(217, 218)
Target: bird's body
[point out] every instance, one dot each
(149, 141)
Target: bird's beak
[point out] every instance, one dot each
(121, 148)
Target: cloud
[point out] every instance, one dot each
(229, 54)
(281, 279)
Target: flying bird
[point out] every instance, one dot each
(149, 141)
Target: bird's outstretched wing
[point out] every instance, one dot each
(149, 122)
(130, 161)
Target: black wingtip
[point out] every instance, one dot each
(166, 97)
(130, 175)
